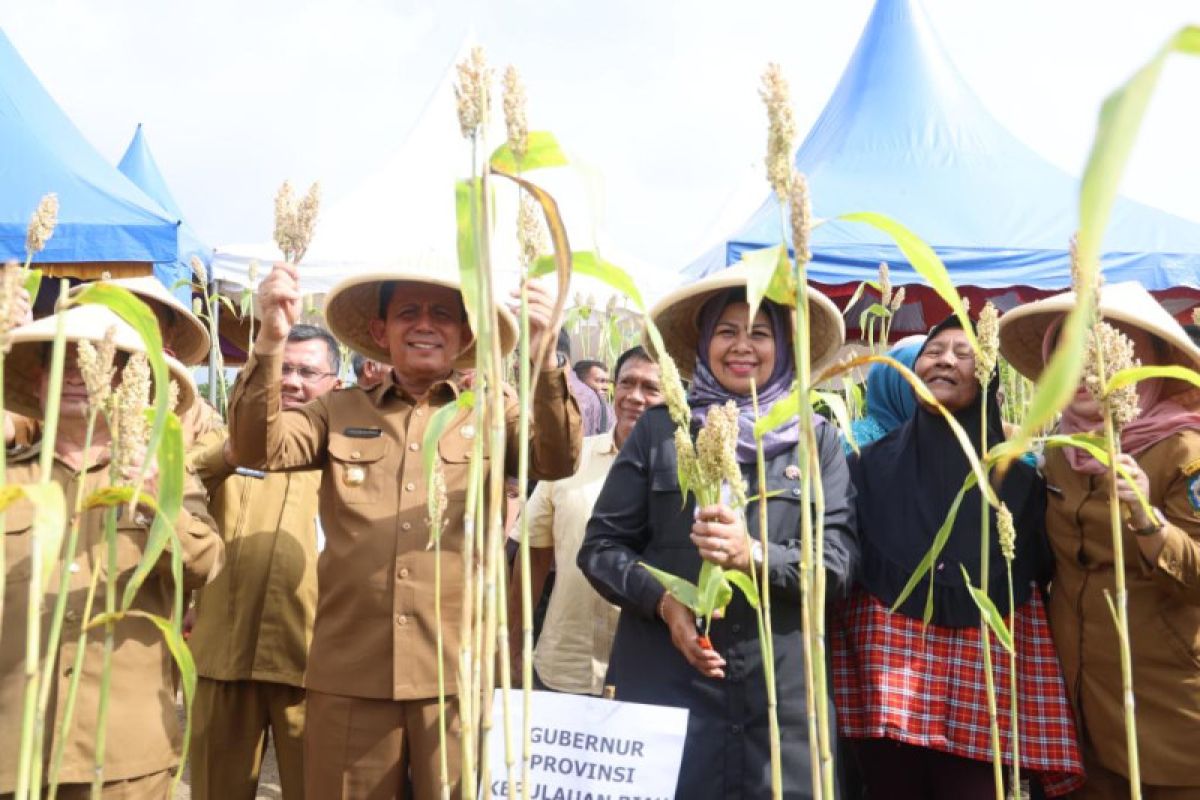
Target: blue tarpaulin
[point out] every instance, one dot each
(102, 215)
(139, 166)
(904, 135)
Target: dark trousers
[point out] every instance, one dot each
(896, 771)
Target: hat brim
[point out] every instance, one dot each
(354, 303)
(83, 323)
(1023, 329)
(677, 318)
(186, 335)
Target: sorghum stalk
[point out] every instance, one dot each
(527, 601)
(765, 634)
(437, 517)
(1111, 446)
(1008, 536)
(985, 362)
(33, 613)
(110, 610)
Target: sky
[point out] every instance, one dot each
(659, 96)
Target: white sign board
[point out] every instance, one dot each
(586, 748)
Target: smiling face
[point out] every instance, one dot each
(424, 329)
(309, 357)
(637, 389)
(597, 378)
(947, 366)
(740, 351)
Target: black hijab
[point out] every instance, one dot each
(906, 483)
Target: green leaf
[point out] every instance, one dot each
(924, 260)
(33, 284)
(837, 404)
(991, 615)
(743, 582)
(763, 269)
(542, 151)
(182, 656)
(585, 262)
(1135, 374)
(940, 538)
(438, 423)
(684, 591)
(715, 591)
(113, 496)
(49, 522)
(244, 304)
(468, 201)
(854, 298)
(785, 410)
(170, 503)
(877, 310)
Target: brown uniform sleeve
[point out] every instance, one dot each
(207, 460)
(203, 548)
(264, 435)
(555, 429)
(1177, 569)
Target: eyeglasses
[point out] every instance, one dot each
(306, 374)
(957, 355)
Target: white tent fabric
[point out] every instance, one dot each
(402, 216)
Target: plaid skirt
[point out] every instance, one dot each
(924, 685)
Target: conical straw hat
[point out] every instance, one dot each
(85, 322)
(354, 302)
(1023, 329)
(186, 335)
(676, 316)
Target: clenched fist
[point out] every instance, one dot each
(279, 299)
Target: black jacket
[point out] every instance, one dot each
(640, 516)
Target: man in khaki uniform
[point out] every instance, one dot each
(143, 733)
(254, 622)
(372, 671)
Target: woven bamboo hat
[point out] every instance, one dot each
(677, 318)
(86, 322)
(185, 335)
(353, 303)
(1023, 329)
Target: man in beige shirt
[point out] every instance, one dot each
(572, 651)
(372, 676)
(253, 624)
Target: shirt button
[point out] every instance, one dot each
(735, 728)
(408, 487)
(796, 492)
(414, 446)
(71, 615)
(356, 454)
(403, 573)
(406, 526)
(737, 628)
(402, 620)
(419, 412)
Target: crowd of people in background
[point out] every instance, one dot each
(312, 623)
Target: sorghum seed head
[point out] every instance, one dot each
(129, 413)
(436, 503)
(96, 365)
(897, 300)
(673, 392)
(716, 451)
(531, 231)
(41, 224)
(199, 270)
(781, 129)
(1007, 532)
(1108, 345)
(988, 336)
(885, 285)
(514, 113)
(801, 217)
(472, 91)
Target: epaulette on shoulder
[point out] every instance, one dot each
(1192, 467)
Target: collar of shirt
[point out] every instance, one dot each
(33, 452)
(449, 387)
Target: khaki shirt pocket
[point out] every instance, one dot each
(357, 468)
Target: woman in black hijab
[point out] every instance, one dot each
(911, 697)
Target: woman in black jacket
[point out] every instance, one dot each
(641, 516)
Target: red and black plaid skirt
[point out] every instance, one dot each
(923, 685)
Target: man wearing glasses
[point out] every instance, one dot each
(254, 622)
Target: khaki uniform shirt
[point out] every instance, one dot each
(255, 620)
(572, 651)
(375, 630)
(143, 730)
(1163, 608)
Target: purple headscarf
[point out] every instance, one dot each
(706, 391)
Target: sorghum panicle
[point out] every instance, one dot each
(10, 287)
(531, 231)
(437, 502)
(781, 129)
(285, 204)
(885, 285)
(1116, 350)
(897, 300)
(801, 217)
(514, 113)
(1006, 532)
(988, 334)
(96, 365)
(716, 450)
(41, 224)
(472, 91)
(132, 432)
(200, 271)
(674, 393)
(252, 273)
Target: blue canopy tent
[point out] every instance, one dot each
(105, 223)
(139, 166)
(904, 135)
